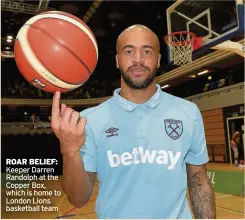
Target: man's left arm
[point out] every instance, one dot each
(201, 192)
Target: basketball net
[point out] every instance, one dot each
(182, 43)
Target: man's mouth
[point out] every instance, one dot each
(138, 69)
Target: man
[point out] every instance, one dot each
(235, 143)
(143, 144)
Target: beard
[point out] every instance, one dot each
(138, 84)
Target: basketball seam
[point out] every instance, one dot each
(65, 47)
(69, 19)
(36, 64)
(84, 24)
(44, 79)
(60, 42)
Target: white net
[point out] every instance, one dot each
(181, 44)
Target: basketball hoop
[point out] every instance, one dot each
(182, 44)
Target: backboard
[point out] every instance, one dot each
(214, 21)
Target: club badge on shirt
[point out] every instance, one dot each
(174, 128)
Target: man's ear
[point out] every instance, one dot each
(117, 63)
(159, 61)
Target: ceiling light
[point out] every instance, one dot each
(203, 72)
(96, 4)
(9, 40)
(10, 37)
(165, 86)
(92, 9)
(192, 76)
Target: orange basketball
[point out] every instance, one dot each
(56, 51)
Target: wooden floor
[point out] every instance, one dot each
(228, 206)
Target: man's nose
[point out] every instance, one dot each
(138, 58)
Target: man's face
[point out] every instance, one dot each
(138, 58)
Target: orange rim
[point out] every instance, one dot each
(191, 41)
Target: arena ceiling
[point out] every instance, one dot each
(107, 21)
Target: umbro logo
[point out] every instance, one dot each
(112, 132)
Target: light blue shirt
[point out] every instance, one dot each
(140, 151)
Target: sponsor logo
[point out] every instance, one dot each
(141, 156)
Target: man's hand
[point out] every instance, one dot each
(68, 126)
(201, 192)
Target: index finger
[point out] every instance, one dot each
(56, 106)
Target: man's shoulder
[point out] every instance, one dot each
(185, 109)
(97, 112)
(178, 102)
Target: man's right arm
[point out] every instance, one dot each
(69, 128)
(76, 182)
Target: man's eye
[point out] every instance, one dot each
(148, 52)
(128, 51)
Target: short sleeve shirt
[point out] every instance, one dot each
(140, 152)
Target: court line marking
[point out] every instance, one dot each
(231, 210)
(59, 205)
(88, 213)
(65, 216)
(224, 196)
(74, 208)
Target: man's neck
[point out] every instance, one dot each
(139, 96)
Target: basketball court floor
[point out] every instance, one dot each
(227, 206)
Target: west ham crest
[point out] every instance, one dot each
(174, 128)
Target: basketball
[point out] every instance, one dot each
(56, 51)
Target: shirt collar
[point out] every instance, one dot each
(153, 102)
